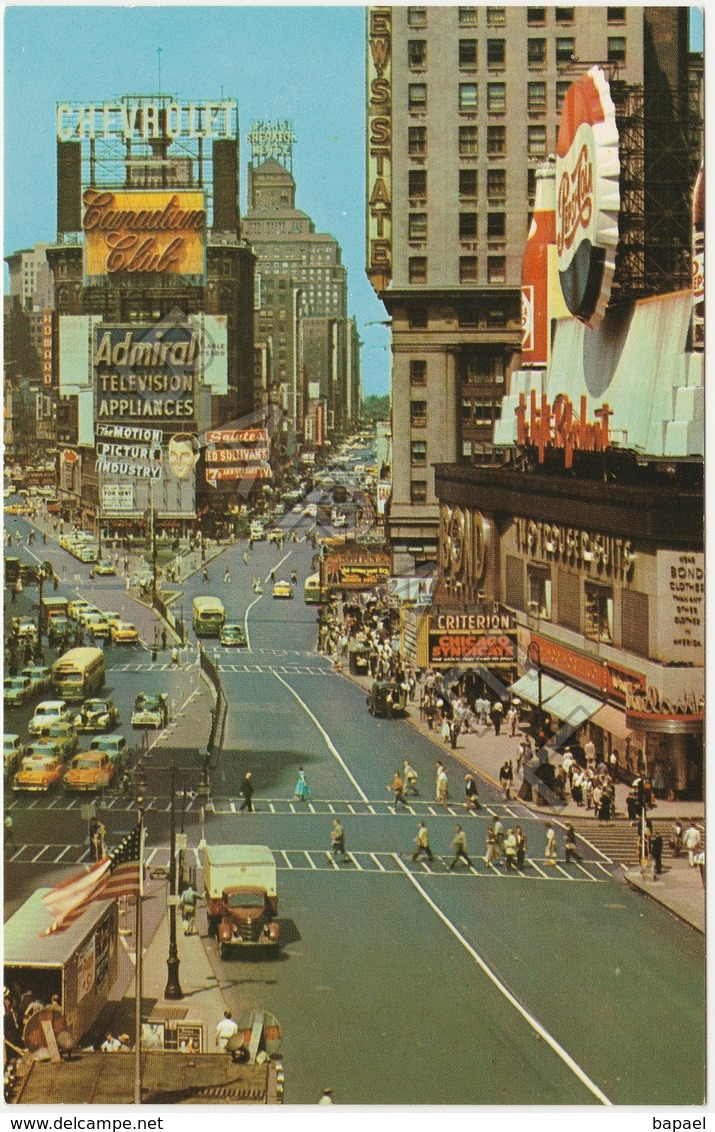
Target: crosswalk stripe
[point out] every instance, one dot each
(310, 860)
(380, 866)
(539, 870)
(286, 858)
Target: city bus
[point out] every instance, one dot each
(79, 673)
(311, 590)
(209, 615)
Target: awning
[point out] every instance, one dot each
(571, 705)
(527, 687)
(613, 721)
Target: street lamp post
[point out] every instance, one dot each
(173, 987)
(44, 571)
(534, 654)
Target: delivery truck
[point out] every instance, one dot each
(241, 897)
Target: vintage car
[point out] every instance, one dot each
(62, 734)
(49, 711)
(12, 748)
(75, 606)
(89, 770)
(87, 552)
(283, 589)
(232, 634)
(387, 699)
(104, 566)
(124, 632)
(16, 689)
(40, 677)
(276, 535)
(113, 745)
(97, 715)
(96, 625)
(18, 509)
(40, 770)
(150, 710)
(24, 628)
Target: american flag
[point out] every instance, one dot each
(117, 874)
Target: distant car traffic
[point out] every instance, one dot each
(39, 675)
(276, 535)
(232, 635)
(124, 631)
(15, 690)
(104, 566)
(283, 589)
(24, 628)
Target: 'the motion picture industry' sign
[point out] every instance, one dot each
(147, 231)
(555, 426)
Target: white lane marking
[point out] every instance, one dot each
(379, 864)
(59, 856)
(245, 622)
(332, 862)
(310, 860)
(541, 871)
(328, 741)
(285, 858)
(529, 1018)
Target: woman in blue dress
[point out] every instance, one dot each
(302, 790)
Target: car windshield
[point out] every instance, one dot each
(245, 900)
(85, 764)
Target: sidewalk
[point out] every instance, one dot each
(680, 888)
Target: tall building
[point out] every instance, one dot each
(154, 288)
(301, 302)
(463, 104)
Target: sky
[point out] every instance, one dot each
(301, 63)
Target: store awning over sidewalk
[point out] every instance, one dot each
(557, 699)
(613, 721)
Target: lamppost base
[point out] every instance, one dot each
(173, 987)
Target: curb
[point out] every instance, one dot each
(636, 887)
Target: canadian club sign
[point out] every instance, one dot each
(144, 232)
(587, 196)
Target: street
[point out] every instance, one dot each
(397, 982)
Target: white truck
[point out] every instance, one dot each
(241, 897)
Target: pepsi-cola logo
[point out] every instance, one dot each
(574, 202)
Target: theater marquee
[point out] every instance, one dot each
(160, 232)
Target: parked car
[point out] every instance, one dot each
(89, 770)
(40, 677)
(113, 745)
(283, 589)
(150, 710)
(386, 699)
(38, 771)
(123, 631)
(232, 634)
(16, 689)
(97, 715)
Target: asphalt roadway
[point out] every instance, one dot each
(402, 983)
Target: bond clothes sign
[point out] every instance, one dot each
(587, 196)
(680, 623)
(464, 540)
(147, 375)
(160, 232)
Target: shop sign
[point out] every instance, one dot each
(46, 332)
(384, 491)
(587, 196)
(592, 554)
(555, 426)
(351, 570)
(379, 147)
(239, 472)
(489, 649)
(235, 455)
(146, 120)
(650, 702)
(146, 374)
(609, 679)
(681, 607)
(156, 231)
(464, 538)
(271, 139)
(117, 497)
(236, 436)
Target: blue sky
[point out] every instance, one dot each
(301, 63)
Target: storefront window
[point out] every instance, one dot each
(539, 591)
(599, 612)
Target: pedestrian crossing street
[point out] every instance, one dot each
(379, 863)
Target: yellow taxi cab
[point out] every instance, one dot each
(18, 509)
(89, 770)
(123, 631)
(38, 771)
(283, 589)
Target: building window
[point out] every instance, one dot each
(417, 318)
(417, 141)
(536, 141)
(531, 186)
(536, 98)
(616, 49)
(417, 96)
(536, 15)
(496, 17)
(514, 582)
(468, 97)
(496, 98)
(616, 15)
(417, 182)
(418, 414)
(565, 50)
(561, 87)
(536, 53)
(496, 186)
(468, 54)
(418, 491)
(564, 15)
(417, 17)
(538, 588)
(496, 141)
(418, 452)
(496, 225)
(416, 54)
(468, 141)
(417, 226)
(467, 269)
(468, 184)
(496, 53)
(496, 269)
(635, 620)
(418, 371)
(598, 623)
(417, 268)
(467, 315)
(467, 225)
(468, 17)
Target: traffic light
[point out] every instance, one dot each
(641, 795)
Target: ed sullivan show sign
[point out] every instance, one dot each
(155, 231)
(587, 196)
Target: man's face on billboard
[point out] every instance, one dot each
(182, 456)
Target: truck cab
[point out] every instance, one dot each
(241, 897)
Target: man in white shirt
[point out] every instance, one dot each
(225, 1029)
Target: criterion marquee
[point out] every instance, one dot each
(157, 231)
